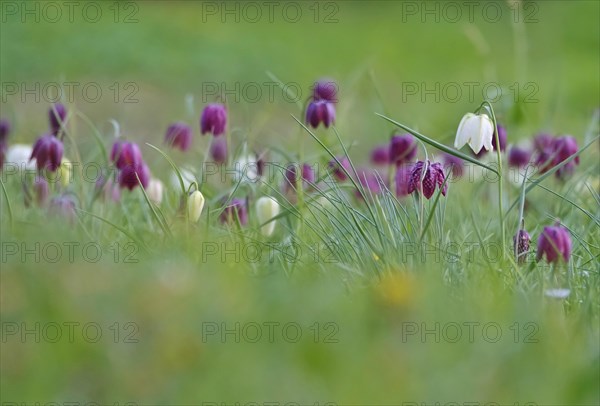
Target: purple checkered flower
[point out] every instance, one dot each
(425, 177)
(48, 152)
(555, 243)
(214, 119)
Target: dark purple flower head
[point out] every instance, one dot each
(41, 190)
(337, 169)
(128, 175)
(454, 164)
(555, 243)
(518, 157)
(64, 206)
(236, 208)
(48, 152)
(380, 155)
(218, 150)
(402, 179)
(320, 111)
(214, 119)
(564, 147)
(521, 245)
(325, 89)
(403, 149)
(125, 154)
(4, 130)
(57, 115)
(179, 135)
(425, 177)
(292, 176)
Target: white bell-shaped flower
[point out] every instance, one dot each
(477, 130)
(155, 191)
(266, 209)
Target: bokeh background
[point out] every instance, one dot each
(156, 54)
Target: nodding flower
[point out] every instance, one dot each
(195, 204)
(266, 209)
(477, 130)
(554, 243)
(292, 177)
(179, 135)
(213, 119)
(518, 157)
(48, 152)
(402, 149)
(521, 245)
(57, 115)
(236, 209)
(337, 169)
(380, 155)
(425, 177)
(128, 176)
(551, 151)
(325, 89)
(125, 154)
(63, 205)
(218, 150)
(320, 111)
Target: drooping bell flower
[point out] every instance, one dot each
(477, 130)
(425, 177)
(48, 152)
(337, 169)
(403, 149)
(128, 175)
(213, 119)
(266, 209)
(454, 164)
(521, 245)
(218, 150)
(155, 191)
(63, 205)
(195, 204)
(125, 154)
(380, 155)
(325, 89)
(41, 190)
(179, 135)
(518, 157)
(235, 209)
(555, 243)
(57, 115)
(320, 111)
(564, 147)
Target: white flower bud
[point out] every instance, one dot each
(195, 205)
(266, 209)
(477, 130)
(155, 191)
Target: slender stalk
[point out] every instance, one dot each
(499, 156)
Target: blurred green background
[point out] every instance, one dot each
(373, 51)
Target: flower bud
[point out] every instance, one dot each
(155, 191)
(57, 115)
(195, 204)
(518, 157)
(266, 209)
(521, 245)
